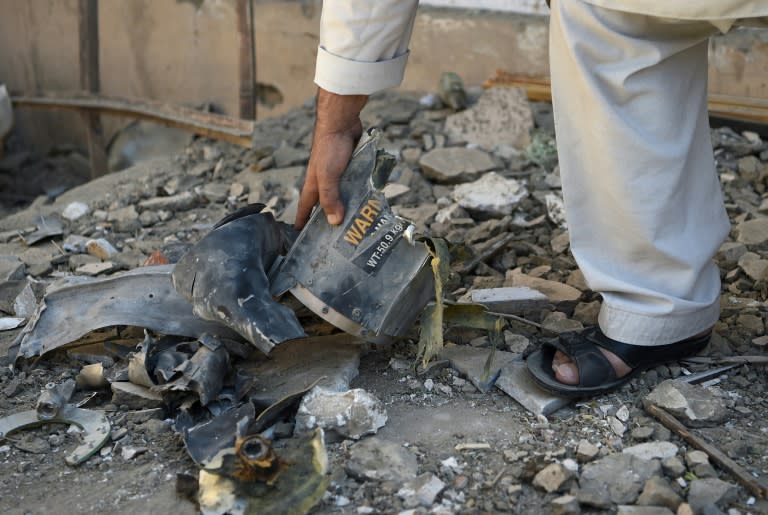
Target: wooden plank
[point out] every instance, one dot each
(89, 81)
(724, 106)
(211, 125)
(247, 59)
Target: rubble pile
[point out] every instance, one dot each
(449, 437)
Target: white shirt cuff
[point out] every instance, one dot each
(348, 77)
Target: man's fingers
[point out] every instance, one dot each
(329, 197)
(307, 200)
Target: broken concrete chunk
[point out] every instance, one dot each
(586, 451)
(754, 266)
(215, 192)
(626, 509)
(516, 382)
(179, 202)
(615, 479)
(124, 219)
(421, 491)
(510, 300)
(694, 405)
(381, 460)
(753, 232)
(564, 505)
(91, 377)
(100, 248)
(351, 414)
(95, 268)
(134, 396)
(658, 492)
(470, 362)
(552, 478)
(555, 291)
(556, 209)
(651, 450)
(492, 195)
(75, 211)
(455, 164)
(501, 116)
(11, 269)
(705, 492)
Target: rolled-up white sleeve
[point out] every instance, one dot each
(363, 45)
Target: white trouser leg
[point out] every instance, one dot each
(643, 201)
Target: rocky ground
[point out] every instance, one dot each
(445, 447)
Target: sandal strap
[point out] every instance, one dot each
(593, 367)
(643, 356)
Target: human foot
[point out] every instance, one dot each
(567, 373)
(589, 363)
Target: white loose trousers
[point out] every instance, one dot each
(643, 201)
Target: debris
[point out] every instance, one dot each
(515, 381)
(421, 491)
(471, 363)
(224, 276)
(134, 396)
(471, 447)
(651, 450)
(615, 479)
(555, 291)
(52, 409)
(753, 232)
(565, 505)
(100, 248)
(75, 211)
(711, 491)
(586, 451)
(510, 300)
(346, 274)
(453, 165)
(95, 268)
(129, 452)
(143, 297)
(297, 488)
(381, 460)
(694, 405)
(91, 377)
(556, 209)
(203, 373)
(179, 202)
(46, 227)
(8, 323)
(552, 478)
(351, 414)
(502, 116)
(744, 477)
(491, 195)
(451, 91)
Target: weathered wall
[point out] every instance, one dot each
(186, 51)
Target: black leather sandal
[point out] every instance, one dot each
(596, 374)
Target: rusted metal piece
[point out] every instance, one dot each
(257, 460)
(742, 476)
(90, 81)
(211, 125)
(247, 58)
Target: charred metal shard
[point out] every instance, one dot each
(224, 277)
(203, 374)
(366, 276)
(47, 227)
(53, 398)
(51, 409)
(143, 297)
(296, 490)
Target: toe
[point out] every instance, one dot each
(565, 369)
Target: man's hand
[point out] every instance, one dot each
(337, 130)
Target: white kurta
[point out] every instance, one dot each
(642, 198)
